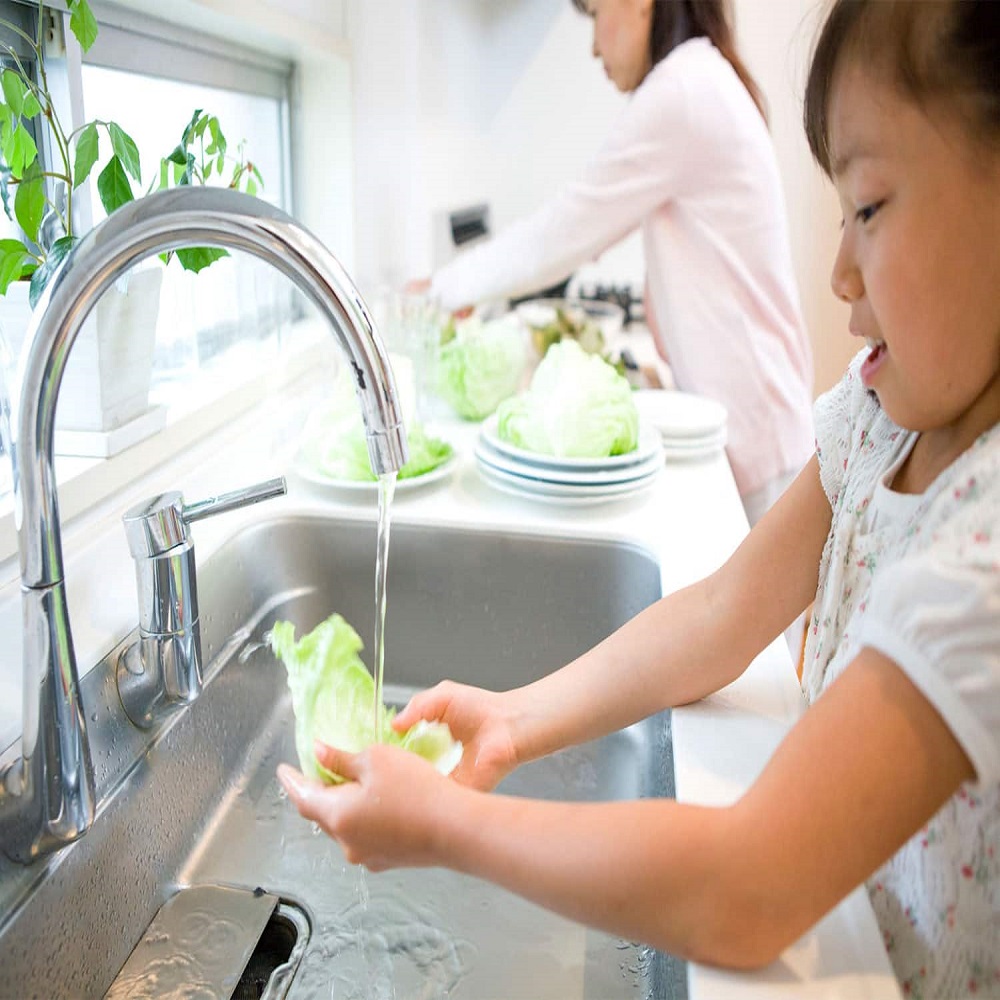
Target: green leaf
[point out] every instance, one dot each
(29, 201)
(197, 258)
(31, 106)
(113, 186)
(179, 155)
(42, 276)
(14, 91)
(251, 188)
(87, 144)
(188, 133)
(184, 174)
(82, 23)
(19, 150)
(5, 190)
(218, 143)
(13, 258)
(125, 149)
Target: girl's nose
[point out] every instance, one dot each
(845, 280)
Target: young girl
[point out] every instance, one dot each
(689, 163)
(892, 776)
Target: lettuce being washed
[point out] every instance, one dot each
(577, 406)
(333, 697)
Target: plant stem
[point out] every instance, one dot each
(57, 130)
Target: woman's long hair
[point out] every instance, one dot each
(677, 21)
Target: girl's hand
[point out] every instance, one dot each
(388, 812)
(476, 717)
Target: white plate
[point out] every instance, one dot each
(679, 414)
(570, 496)
(690, 454)
(700, 443)
(311, 475)
(488, 455)
(647, 446)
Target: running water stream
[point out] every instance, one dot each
(386, 489)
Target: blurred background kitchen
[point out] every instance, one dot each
(396, 131)
(403, 114)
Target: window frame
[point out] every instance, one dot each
(135, 41)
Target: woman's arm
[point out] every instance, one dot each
(858, 775)
(687, 644)
(636, 170)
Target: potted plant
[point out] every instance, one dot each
(40, 199)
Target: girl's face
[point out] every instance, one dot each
(919, 259)
(621, 39)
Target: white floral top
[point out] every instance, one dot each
(918, 578)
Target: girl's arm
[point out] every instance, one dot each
(681, 648)
(856, 777)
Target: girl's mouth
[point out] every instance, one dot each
(874, 361)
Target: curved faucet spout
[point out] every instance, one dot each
(47, 797)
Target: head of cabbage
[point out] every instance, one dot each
(480, 364)
(333, 698)
(577, 406)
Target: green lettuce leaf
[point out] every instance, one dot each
(334, 442)
(577, 406)
(333, 698)
(481, 365)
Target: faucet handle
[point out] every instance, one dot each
(161, 670)
(234, 499)
(156, 525)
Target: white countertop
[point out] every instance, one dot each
(691, 520)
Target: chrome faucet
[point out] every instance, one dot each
(47, 796)
(161, 671)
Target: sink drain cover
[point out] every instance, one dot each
(201, 937)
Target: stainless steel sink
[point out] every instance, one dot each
(195, 801)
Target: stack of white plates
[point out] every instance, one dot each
(690, 426)
(568, 481)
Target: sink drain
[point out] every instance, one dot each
(216, 936)
(276, 957)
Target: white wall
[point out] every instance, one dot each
(460, 101)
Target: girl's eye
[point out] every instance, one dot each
(867, 212)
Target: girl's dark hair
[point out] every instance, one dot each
(933, 51)
(677, 21)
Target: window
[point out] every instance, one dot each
(225, 324)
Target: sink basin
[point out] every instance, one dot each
(195, 802)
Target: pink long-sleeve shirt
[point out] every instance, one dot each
(690, 163)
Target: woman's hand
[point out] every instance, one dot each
(387, 814)
(476, 717)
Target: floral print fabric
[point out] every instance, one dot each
(918, 577)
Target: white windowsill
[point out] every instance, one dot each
(85, 482)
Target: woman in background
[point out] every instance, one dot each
(691, 163)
